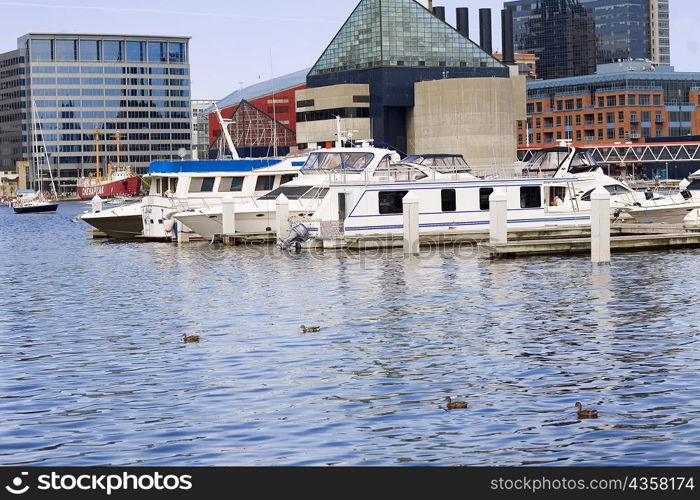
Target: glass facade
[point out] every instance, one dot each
(114, 87)
(624, 29)
(382, 33)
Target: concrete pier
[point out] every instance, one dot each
(498, 217)
(411, 235)
(600, 226)
(281, 216)
(97, 204)
(228, 216)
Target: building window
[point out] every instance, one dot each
(42, 50)
(157, 52)
(646, 116)
(538, 123)
(265, 183)
(66, 50)
(136, 51)
(621, 133)
(578, 120)
(89, 50)
(621, 99)
(539, 138)
(578, 136)
(600, 134)
(360, 98)
(391, 202)
(632, 100)
(600, 118)
(530, 197)
(612, 100)
(569, 104)
(559, 106)
(610, 117)
(306, 103)
(530, 108)
(177, 51)
(601, 102)
(449, 200)
(646, 132)
(539, 107)
(559, 136)
(611, 133)
(644, 100)
(657, 100)
(579, 103)
(558, 121)
(484, 194)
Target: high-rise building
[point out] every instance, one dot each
(200, 128)
(65, 96)
(561, 33)
(624, 29)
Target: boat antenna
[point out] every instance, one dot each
(274, 109)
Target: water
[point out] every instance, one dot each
(94, 370)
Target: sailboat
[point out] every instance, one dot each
(34, 202)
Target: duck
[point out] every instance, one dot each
(190, 339)
(585, 413)
(310, 329)
(456, 405)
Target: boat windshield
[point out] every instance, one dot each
(327, 161)
(445, 164)
(547, 161)
(694, 186)
(296, 193)
(582, 162)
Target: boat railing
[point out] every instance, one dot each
(183, 204)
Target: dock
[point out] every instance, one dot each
(624, 238)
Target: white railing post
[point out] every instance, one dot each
(282, 216)
(498, 216)
(411, 225)
(228, 215)
(600, 225)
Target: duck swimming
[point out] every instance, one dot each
(310, 329)
(456, 405)
(190, 339)
(585, 413)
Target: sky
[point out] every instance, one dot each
(238, 43)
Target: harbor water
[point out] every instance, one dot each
(95, 370)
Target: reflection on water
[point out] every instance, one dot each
(95, 371)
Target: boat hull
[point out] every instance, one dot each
(121, 223)
(36, 209)
(125, 187)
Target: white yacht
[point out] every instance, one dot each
(205, 188)
(173, 183)
(352, 194)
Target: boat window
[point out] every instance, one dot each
(391, 202)
(327, 161)
(155, 186)
(230, 184)
(173, 184)
(265, 183)
(287, 178)
(547, 161)
(694, 186)
(202, 184)
(530, 197)
(484, 194)
(449, 200)
(291, 192)
(444, 164)
(401, 172)
(617, 189)
(582, 162)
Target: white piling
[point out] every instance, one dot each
(411, 236)
(498, 216)
(282, 216)
(97, 204)
(600, 225)
(228, 216)
(183, 233)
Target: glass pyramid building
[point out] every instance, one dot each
(395, 33)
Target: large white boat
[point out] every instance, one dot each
(180, 185)
(353, 194)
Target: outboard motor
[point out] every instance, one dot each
(298, 234)
(649, 194)
(687, 195)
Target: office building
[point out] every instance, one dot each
(65, 96)
(558, 31)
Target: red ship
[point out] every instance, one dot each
(120, 183)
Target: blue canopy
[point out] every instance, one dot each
(174, 167)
